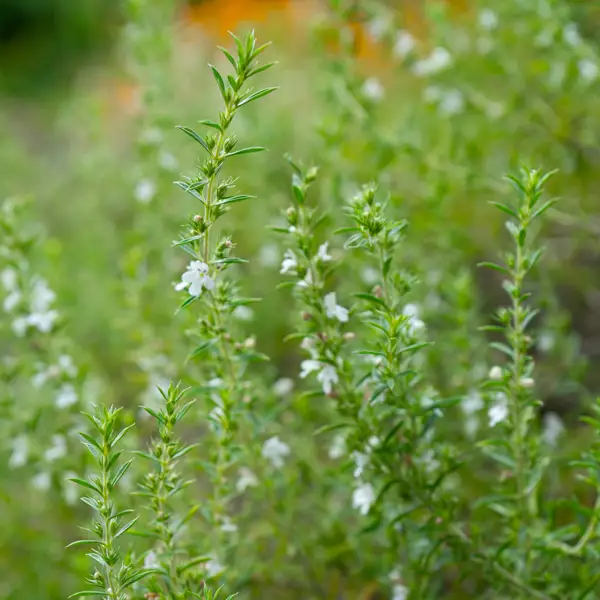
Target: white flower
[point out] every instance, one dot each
(8, 277)
(151, 561)
(41, 296)
(309, 366)
(369, 275)
(20, 452)
(495, 373)
(227, 525)
(363, 498)
(571, 34)
(289, 264)
(361, 460)
(66, 365)
(527, 382)
(152, 136)
(334, 310)
(328, 377)
(307, 281)
(498, 411)
(57, 450)
(487, 19)
(438, 60)
(196, 278)
(275, 451)
(283, 386)
(372, 89)
(167, 161)
(268, 255)
(67, 396)
(588, 69)
(310, 345)
(243, 313)
(553, 428)
(322, 254)
(213, 568)
(546, 341)
(11, 301)
(452, 103)
(429, 460)
(472, 403)
(337, 448)
(377, 27)
(70, 489)
(405, 44)
(399, 592)
(246, 479)
(145, 190)
(19, 326)
(43, 321)
(41, 481)
(414, 324)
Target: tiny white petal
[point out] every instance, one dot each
(404, 45)
(283, 386)
(487, 19)
(275, 451)
(363, 498)
(373, 89)
(145, 190)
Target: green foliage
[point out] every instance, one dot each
(329, 413)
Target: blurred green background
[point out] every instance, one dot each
(85, 86)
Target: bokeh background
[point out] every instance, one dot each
(91, 92)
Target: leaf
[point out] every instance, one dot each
(249, 150)
(228, 56)
(195, 137)
(219, 81)
(88, 593)
(122, 470)
(542, 209)
(232, 199)
(211, 124)
(491, 265)
(86, 484)
(257, 95)
(506, 209)
(81, 542)
(126, 527)
(192, 563)
(371, 298)
(334, 427)
(229, 261)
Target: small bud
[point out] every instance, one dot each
(332, 394)
(227, 337)
(377, 291)
(228, 244)
(439, 521)
(322, 336)
(246, 398)
(495, 373)
(527, 382)
(306, 316)
(292, 215)
(237, 346)
(349, 336)
(197, 219)
(250, 343)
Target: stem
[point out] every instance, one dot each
(107, 539)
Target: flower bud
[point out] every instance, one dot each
(197, 219)
(495, 373)
(527, 382)
(349, 336)
(292, 215)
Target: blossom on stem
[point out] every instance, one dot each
(196, 278)
(363, 498)
(333, 309)
(275, 451)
